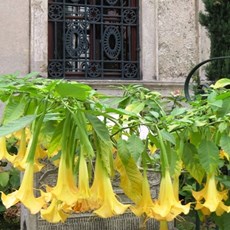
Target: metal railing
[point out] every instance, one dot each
(192, 72)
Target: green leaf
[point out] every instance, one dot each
(208, 155)
(123, 151)
(105, 151)
(120, 112)
(73, 89)
(80, 120)
(192, 163)
(225, 109)
(168, 136)
(221, 83)
(99, 127)
(14, 178)
(13, 109)
(225, 143)
(4, 178)
(225, 180)
(16, 125)
(178, 111)
(130, 178)
(56, 139)
(136, 107)
(222, 221)
(195, 138)
(135, 147)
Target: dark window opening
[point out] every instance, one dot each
(93, 39)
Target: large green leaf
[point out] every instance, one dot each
(99, 127)
(105, 151)
(135, 146)
(16, 125)
(225, 143)
(73, 89)
(208, 155)
(14, 109)
(130, 178)
(192, 163)
(4, 178)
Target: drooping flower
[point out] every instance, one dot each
(25, 194)
(65, 189)
(103, 191)
(168, 206)
(85, 201)
(209, 199)
(146, 202)
(54, 213)
(3, 151)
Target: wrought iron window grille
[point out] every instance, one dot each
(93, 39)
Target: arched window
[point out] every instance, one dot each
(93, 39)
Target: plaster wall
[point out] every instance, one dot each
(14, 36)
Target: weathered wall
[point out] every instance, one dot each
(14, 36)
(177, 33)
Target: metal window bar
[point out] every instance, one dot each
(93, 39)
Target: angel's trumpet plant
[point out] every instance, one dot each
(66, 189)
(25, 194)
(168, 206)
(103, 190)
(209, 199)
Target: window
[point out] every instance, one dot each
(93, 39)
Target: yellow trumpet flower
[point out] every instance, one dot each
(21, 151)
(54, 213)
(209, 199)
(168, 206)
(146, 200)
(3, 151)
(85, 201)
(102, 189)
(25, 194)
(22, 164)
(65, 189)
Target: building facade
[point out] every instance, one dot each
(170, 40)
